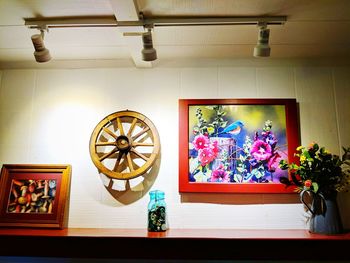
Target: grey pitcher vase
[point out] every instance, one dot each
(325, 218)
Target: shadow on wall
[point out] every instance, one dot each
(133, 193)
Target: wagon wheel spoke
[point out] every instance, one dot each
(122, 167)
(103, 157)
(134, 164)
(142, 139)
(140, 133)
(132, 126)
(140, 155)
(117, 162)
(105, 144)
(135, 144)
(131, 167)
(120, 127)
(110, 132)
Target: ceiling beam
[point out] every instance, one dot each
(126, 10)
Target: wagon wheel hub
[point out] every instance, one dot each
(124, 143)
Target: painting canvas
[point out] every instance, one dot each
(235, 145)
(32, 196)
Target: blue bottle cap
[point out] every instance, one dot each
(157, 194)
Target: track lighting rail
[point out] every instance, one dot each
(110, 21)
(262, 49)
(207, 21)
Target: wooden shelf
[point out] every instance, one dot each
(174, 244)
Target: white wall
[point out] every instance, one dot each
(47, 116)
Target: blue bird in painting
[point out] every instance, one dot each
(234, 128)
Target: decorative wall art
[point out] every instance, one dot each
(34, 195)
(235, 145)
(124, 146)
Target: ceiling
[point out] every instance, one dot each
(314, 29)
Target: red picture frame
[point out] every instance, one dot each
(34, 195)
(287, 112)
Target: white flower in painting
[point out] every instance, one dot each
(193, 164)
(201, 177)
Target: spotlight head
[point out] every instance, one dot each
(41, 53)
(262, 49)
(148, 51)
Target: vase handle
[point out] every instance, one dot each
(302, 200)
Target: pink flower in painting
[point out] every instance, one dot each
(261, 151)
(200, 142)
(219, 175)
(215, 148)
(272, 164)
(205, 156)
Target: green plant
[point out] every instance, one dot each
(211, 128)
(318, 170)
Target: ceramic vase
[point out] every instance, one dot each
(325, 217)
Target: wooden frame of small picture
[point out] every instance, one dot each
(34, 195)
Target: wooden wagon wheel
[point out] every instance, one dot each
(124, 145)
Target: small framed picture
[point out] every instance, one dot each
(33, 195)
(235, 145)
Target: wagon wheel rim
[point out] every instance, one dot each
(124, 145)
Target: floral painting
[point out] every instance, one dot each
(233, 144)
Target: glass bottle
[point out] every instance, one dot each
(157, 212)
